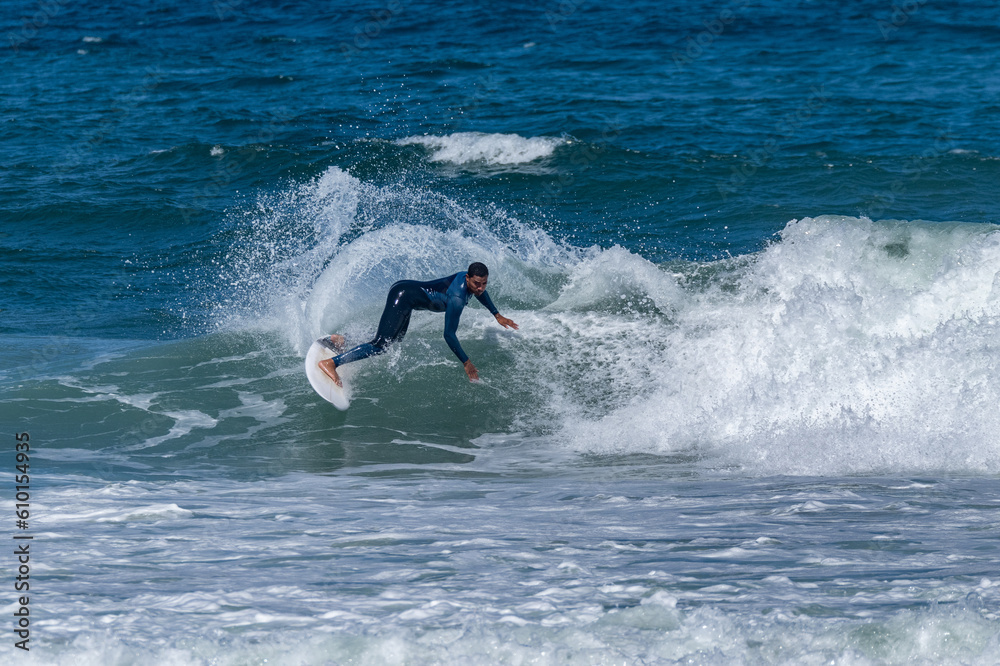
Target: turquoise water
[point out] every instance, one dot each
(749, 415)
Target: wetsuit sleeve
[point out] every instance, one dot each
(485, 300)
(451, 316)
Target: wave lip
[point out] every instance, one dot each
(479, 147)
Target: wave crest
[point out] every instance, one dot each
(464, 148)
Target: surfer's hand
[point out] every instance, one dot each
(471, 371)
(506, 323)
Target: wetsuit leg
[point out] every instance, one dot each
(403, 298)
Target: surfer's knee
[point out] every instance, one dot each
(397, 296)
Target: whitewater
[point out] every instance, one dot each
(879, 335)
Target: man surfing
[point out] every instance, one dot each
(449, 295)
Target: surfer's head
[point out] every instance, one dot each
(476, 278)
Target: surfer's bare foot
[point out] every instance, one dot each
(330, 370)
(338, 341)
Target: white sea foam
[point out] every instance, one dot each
(486, 568)
(654, 633)
(491, 149)
(848, 346)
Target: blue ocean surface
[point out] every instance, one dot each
(750, 416)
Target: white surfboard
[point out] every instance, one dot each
(339, 397)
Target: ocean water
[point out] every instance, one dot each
(750, 416)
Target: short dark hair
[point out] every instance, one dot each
(477, 269)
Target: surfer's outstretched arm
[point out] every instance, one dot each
(452, 315)
(487, 302)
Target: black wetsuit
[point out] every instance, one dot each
(449, 295)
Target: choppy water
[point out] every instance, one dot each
(749, 416)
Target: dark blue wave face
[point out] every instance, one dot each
(139, 140)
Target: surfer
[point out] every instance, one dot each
(448, 294)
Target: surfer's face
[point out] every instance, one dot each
(476, 284)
